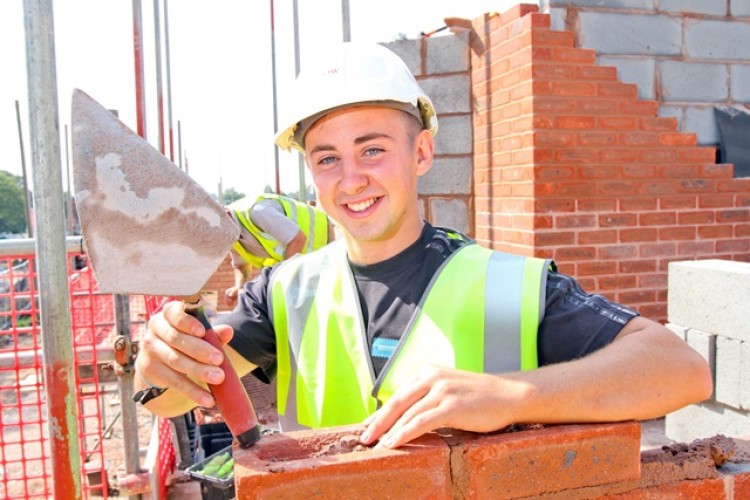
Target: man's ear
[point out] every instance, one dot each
(424, 148)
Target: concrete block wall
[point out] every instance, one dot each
(687, 55)
(709, 301)
(570, 163)
(441, 66)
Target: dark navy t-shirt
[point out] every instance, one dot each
(575, 323)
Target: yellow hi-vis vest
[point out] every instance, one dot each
(312, 222)
(480, 313)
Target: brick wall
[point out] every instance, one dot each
(544, 150)
(688, 55)
(571, 164)
(563, 461)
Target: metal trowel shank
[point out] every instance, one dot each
(147, 226)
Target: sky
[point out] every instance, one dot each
(220, 72)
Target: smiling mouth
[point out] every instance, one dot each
(362, 205)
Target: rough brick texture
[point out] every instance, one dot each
(570, 164)
(319, 464)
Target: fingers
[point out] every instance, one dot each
(173, 354)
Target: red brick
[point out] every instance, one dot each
(617, 251)
(617, 220)
(678, 139)
(696, 217)
(637, 266)
(733, 246)
(575, 253)
(638, 234)
(543, 222)
(657, 250)
(615, 188)
(555, 458)
(677, 233)
(658, 218)
(618, 122)
(628, 107)
(286, 466)
(632, 297)
(739, 215)
(638, 204)
(617, 89)
(617, 282)
(594, 237)
(597, 205)
(575, 122)
(596, 72)
(668, 123)
(575, 221)
(556, 238)
(596, 268)
(742, 485)
(706, 488)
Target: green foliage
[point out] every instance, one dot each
(230, 195)
(12, 216)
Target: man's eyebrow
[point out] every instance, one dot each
(357, 141)
(369, 137)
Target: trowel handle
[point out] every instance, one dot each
(230, 395)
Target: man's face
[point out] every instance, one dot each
(365, 166)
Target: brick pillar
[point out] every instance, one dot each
(571, 164)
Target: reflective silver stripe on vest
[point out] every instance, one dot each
(310, 228)
(502, 322)
(304, 286)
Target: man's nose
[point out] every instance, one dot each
(353, 175)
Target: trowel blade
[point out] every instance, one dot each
(147, 226)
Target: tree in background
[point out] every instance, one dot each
(12, 214)
(230, 195)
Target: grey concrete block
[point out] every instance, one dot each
(454, 136)
(410, 52)
(695, 82)
(676, 111)
(740, 83)
(639, 71)
(678, 330)
(447, 54)
(612, 33)
(710, 7)
(710, 295)
(705, 344)
(449, 94)
(705, 420)
(610, 4)
(728, 372)
(450, 213)
(702, 121)
(447, 176)
(713, 39)
(557, 19)
(739, 7)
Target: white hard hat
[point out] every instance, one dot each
(353, 73)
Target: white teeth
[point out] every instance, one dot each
(364, 205)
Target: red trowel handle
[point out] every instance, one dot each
(230, 395)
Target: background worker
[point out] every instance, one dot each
(406, 326)
(272, 228)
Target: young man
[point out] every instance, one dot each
(403, 325)
(272, 229)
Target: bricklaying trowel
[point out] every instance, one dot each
(148, 228)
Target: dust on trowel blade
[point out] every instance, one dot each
(147, 226)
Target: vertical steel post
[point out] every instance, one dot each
(179, 143)
(27, 205)
(301, 160)
(273, 89)
(140, 94)
(169, 79)
(345, 21)
(69, 192)
(57, 342)
(159, 93)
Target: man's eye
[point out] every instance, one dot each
(327, 160)
(373, 151)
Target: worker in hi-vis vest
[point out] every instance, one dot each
(272, 228)
(403, 325)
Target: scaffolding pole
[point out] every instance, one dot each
(57, 342)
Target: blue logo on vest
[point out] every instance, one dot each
(383, 348)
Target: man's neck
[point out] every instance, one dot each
(364, 253)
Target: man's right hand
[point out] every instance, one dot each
(230, 296)
(174, 355)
